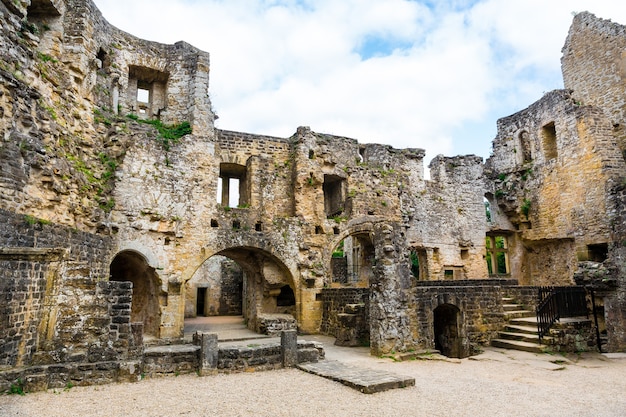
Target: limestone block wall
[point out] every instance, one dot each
(451, 221)
(552, 168)
(594, 67)
(53, 310)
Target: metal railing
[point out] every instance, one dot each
(559, 302)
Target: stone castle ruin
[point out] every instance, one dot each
(124, 210)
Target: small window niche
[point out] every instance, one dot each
(548, 141)
(526, 146)
(598, 252)
(334, 195)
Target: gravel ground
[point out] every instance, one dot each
(496, 383)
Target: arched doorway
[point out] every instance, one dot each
(446, 329)
(241, 281)
(132, 266)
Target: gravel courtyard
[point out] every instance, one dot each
(496, 383)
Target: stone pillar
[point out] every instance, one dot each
(289, 347)
(208, 352)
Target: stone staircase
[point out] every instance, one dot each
(520, 332)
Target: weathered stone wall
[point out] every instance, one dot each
(611, 285)
(337, 301)
(552, 167)
(594, 67)
(37, 267)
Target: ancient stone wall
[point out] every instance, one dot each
(552, 167)
(594, 67)
(336, 302)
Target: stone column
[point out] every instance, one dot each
(208, 352)
(289, 347)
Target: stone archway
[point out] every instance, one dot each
(132, 266)
(446, 318)
(265, 287)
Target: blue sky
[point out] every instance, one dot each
(420, 74)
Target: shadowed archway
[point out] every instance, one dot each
(447, 332)
(132, 266)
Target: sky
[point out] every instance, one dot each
(411, 74)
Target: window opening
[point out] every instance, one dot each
(598, 252)
(548, 136)
(415, 264)
(258, 227)
(497, 255)
(525, 144)
(214, 223)
(318, 230)
(232, 186)
(334, 195)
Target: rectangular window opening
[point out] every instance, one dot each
(497, 255)
(548, 140)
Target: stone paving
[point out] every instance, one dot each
(368, 381)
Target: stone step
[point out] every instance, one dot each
(367, 381)
(519, 314)
(512, 307)
(508, 300)
(518, 345)
(516, 328)
(524, 321)
(524, 337)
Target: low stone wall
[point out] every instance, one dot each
(573, 335)
(41, 378)
(204, 357)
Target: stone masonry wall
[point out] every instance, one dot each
(335, 302)
(547, 162)
(594, 67)
(480, 314)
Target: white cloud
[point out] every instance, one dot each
(444, 74)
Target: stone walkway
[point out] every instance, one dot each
(368, 381)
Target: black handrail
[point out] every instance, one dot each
(559, 302)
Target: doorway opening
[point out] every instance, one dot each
(133, 267)
(446, 329)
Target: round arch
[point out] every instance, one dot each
(267, 284)
(132, 266)
(351, 264)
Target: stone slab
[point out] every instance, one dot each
(367, 381)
